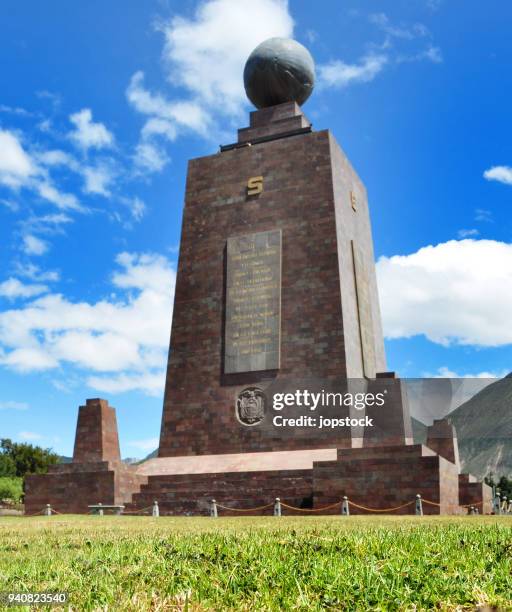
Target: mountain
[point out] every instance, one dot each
(484, 430)
(419, 431)
(131, 460)
(151, 455)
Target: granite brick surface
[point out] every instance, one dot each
(388, 477)
(475, 493)
(96, 436)
(307, 186)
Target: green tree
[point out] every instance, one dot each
(7, 467)
(503, 485)
(26, 458)
(11, 489)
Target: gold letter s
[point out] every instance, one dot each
(255, 185)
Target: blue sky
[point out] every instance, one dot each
(101, 106)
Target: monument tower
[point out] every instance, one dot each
(276, 292)
(276, 282)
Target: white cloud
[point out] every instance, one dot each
(381, 20)
(146, 271)
(29, 436)
(30, 270)
(56, 157)
(167, 115)
(150, 383)
(159, 127)
(62, 200)
(339, 74)
(10, 204)
(88, 134)
(204, 57)
(483, 215)
(98, 179)
(20, 169)
(431, 53)
(105, 351)
(445, 372)
(127, 336)
(47, 224)
(396, 49)
(150, 157)
(137, 208)
(45, 126)
(16, 166)
(166, 118)
(467, 233)
(433, 5)
(28, 359)
(145, 445)
(13, 288)
(206, 54)
(33, 245)
(502, 174)
(15, 110)
(10, 405)
(458, 292)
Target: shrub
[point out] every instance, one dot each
(11, 489)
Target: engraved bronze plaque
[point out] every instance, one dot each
(253, 303)
(364, 308)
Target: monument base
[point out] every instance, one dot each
(382, 478)
(71, 487)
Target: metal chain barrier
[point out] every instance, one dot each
(433, 503)
(137, 511)
(48, 510)
(245, 509)
(311, 509)
(382, 509)
(41, 512)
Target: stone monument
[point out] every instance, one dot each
(96, 473)
(276, 291)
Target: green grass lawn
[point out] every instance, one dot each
(248, 563)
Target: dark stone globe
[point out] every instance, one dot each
(279, 70)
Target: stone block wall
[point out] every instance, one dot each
(475, 493)
(71, 488)
(387, 477)
(192, 493)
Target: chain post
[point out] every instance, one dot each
(419, 505)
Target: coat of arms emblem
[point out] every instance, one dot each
(250, 406)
